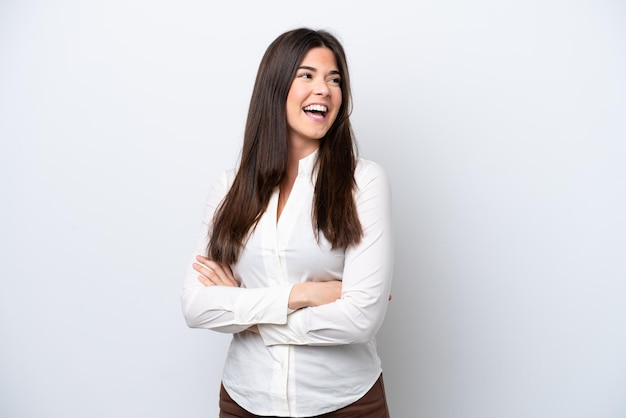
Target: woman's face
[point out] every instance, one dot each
(314, 98)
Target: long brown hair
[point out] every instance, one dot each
(265, 154)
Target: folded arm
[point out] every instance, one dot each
(225, 306)
(232, 309)
(358, 314)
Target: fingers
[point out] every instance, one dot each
(214, 274)
(205, 272)
(325, 292)
(205, 281)
(225, 274)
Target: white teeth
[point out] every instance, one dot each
(316, 107)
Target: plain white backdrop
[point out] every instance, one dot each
(501, 124)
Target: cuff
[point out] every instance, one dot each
(292, 332)
(267, 305)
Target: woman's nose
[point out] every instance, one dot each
(321, 88)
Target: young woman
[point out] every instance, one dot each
(296, 253)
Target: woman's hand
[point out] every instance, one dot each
(214, 274)
(308, 294)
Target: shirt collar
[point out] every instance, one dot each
(305, 165)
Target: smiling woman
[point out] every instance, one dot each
(295, 259)
(314, 99)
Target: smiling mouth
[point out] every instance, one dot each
(316, 111)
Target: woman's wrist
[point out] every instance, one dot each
(298, 297)
(308, 294)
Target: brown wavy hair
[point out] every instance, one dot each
(264, 155)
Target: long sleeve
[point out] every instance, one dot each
(367, 276)
(228, 309)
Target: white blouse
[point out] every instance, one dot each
(313, 360)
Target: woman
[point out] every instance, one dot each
(299, 247)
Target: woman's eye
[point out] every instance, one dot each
(305, 75)
(336, 80)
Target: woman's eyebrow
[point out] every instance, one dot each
(313, 69)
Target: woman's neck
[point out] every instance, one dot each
(295, 155)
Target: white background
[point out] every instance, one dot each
(501, 125)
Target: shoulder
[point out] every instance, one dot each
(371, 178)
(373, 192)
(220, 187)
(367, 171)
(228, 177)
(224, 181)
